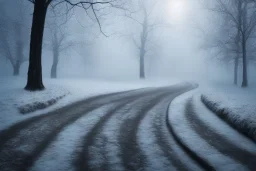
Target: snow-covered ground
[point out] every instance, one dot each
(235, 105)
(13, 97)
(218, 146)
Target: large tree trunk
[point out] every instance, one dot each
(245, 78)
(55, 63)
(142, 66)
(236, 69)
(34, 80)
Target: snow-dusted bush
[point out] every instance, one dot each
(28, 108)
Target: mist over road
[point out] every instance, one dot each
(118, 131)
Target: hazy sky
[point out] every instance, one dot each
(174, 47)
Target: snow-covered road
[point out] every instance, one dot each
(131, 130)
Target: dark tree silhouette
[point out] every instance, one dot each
(34, 80)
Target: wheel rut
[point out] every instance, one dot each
(82, 159)
(132, 156)
(221, 144)
(159, 124)
(24, 142)
(165, 142)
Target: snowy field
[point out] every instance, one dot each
(235, 105)
(62, 91)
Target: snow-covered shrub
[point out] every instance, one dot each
(28, 108)
(243, 121)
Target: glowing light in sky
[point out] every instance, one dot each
(177, 10)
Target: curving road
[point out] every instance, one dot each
(119, 131)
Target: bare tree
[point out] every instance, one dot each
(59, 43)
(34, 80)
(225, 43)
(242, 22)
(144, 19)
(14, 36)
(58, 36)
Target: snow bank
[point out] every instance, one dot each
(190, 141)
(235, 105)
(14, 100)
(207, 138)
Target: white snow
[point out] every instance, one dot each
(189, 137)
(240, 104)
(12, 94)
(61, 152)
(237, 103)
(108, 138)
(147, 142)
(222, 128)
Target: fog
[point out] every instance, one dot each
(127, 85)
(174, 50)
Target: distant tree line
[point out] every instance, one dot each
(14, 32)
(234, 36)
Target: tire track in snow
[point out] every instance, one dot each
(58, 156)
(7, 134)
(147, 143)
(107, 140)
(194, 156)
(132, 156)
(205, 154)
(166, 154)
(221, 144)
(21, 152)
(82, 160)
(24, 142)
(167, 145)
